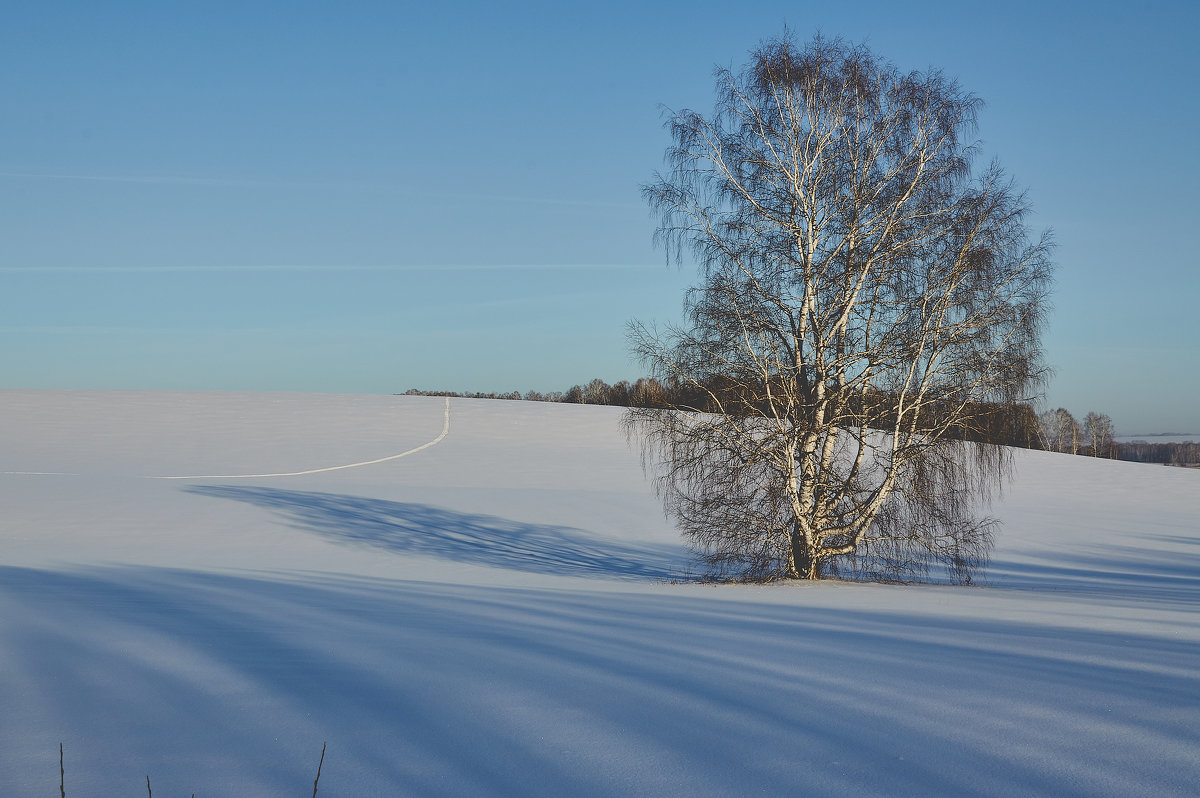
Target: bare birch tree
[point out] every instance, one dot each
(1048, 430)
(1099, 430)
(863, 299)
(1068, 433)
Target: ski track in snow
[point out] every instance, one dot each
(434, 442)
(422, 447)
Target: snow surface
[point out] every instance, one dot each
(1183, 438)
(493, 615)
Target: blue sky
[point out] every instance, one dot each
(367, 197)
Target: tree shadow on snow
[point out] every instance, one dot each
(409, 528)
(1108, 573)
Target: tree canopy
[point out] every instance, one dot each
(865, 298)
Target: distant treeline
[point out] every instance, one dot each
(1176, 454)
(1015, 425)
(1095, 437)
(1007, 425)
(532, 396)
(646, 392)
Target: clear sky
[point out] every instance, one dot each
(368, 197)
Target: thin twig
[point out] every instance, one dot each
(148, 793)
(318, 778)
(61, 774)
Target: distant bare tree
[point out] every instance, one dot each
(1048, 430)
(618, 394)
(647, 392)
(862, 299)
(1059, 431)
(1068, 431)
(1098, 428)
(596, 392)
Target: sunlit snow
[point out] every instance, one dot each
(497, 614)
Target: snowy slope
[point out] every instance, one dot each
(493, 615)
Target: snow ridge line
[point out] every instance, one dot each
(435, 441)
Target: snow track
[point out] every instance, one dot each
(445, 431)
(434, 442)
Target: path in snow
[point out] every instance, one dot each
(445, 431)
(434, 442)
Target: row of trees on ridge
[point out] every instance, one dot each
(1058, 431)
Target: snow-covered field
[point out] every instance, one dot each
(1183, 438)
(493, 615)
